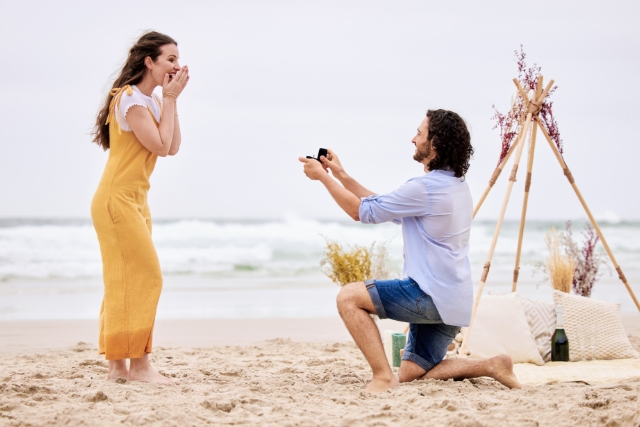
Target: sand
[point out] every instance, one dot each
(279, 382)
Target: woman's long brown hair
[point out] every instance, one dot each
(132, 72)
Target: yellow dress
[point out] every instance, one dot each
(131, 270)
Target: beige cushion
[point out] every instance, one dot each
(594, 328)
(541, 316)
(500, 326)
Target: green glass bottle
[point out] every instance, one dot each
(559, 340)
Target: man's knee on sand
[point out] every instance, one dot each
(410, 371)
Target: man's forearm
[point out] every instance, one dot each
(353, 186)
(346, 199)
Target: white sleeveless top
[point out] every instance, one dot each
(152, 102)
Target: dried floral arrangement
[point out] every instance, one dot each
(510, 123)
(588, 261)
(560, 266)
(348, 264)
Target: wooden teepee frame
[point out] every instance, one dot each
(530, 122)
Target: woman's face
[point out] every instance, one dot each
(167, 62)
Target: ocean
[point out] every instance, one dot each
(51, 268)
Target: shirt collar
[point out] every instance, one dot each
(447, 172)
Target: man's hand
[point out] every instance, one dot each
(333, 163)
(316, 171)
(313, 168)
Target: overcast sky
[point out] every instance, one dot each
(273, 80)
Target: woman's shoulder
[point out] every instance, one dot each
(133, 95)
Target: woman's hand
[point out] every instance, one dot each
(163, 139)
(313, 168)
(175, 86)
(333, 163)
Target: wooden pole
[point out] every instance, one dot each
(496, 174)
(527, 186)
(525, 99)
(567, 173)
(494, 177)
(539, 87)
(525, 202)
(546, 91)
(487, 265)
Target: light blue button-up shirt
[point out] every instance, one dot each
(435, 211)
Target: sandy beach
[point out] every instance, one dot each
(318, 144)
(280, 372)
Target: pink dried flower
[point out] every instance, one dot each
(587, 260)
(509, 128)
(510, 123)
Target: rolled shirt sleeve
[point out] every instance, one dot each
(410, 199)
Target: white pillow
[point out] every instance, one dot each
(594, 328)
(501, 327)
(541, 316)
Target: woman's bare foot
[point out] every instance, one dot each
(501, 369)
(118, 369)
(379, 384)
(141, 370)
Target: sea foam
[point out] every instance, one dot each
(291, 247)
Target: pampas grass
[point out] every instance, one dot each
(559, 266)
(348, 264)
(380, 261)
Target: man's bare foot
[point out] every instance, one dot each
(118, 369)
(501, 369)
(141, 370)
(379, 385)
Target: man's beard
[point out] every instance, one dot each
(423, 153)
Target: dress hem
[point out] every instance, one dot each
(124, 355)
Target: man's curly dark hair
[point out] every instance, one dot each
(451, 141)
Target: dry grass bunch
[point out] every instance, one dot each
(588, 261)
(348, 264)
(560, 267)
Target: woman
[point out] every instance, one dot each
(137, 127)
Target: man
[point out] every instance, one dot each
(436, 292)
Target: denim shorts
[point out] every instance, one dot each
(403, 300)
